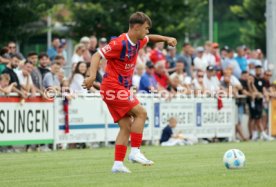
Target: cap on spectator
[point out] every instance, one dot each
(149, 64)
(170, 48)
(215, 45)
(225, 48)
(200, 49)
(103, 40)
(210, 68)
(84, 39)
(180, 60)
(63, 41)
(258, 66)
(258, 63)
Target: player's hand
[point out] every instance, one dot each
(171, 41)
(88, 83)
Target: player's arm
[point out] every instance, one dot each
(159, 38)
(95, 62)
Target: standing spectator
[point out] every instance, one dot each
(93, 45)
(241, 59)
(156, 54)
(199, 62)
(86, 55)
(52, 52)
(208, 56)
(44, 63)
(187, 58)
(102, 42)
(267, 76)
(215, 53)
(137, 77)
(171, 59)
(4, 58)
(13, 50)
(148, 83)
(25, 79)
(257, 109)
(77, 78)
(230, 62)
(51, 80)
(78, 54)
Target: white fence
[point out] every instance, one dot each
(41, 121)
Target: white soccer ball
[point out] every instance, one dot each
(234, 159)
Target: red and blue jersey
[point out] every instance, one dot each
(121, 54)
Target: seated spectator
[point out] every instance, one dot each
(168, 138)
(179, 71)
(32, 57)
(199, 62)
(59, 59)
(44, 63)
(52, 52)
(198, 83)
(13, 77)
(211, 82)
(51, 78)
(5, 88)
(230, 62)
(77, 78)
(137, 76)
(78, 55)
(161, 75)
(176, 86)
(148, 83)
(25, 79)
(215, 53)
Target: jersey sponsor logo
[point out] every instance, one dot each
(106, 49)
(129, 66)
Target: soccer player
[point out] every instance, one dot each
(121, 54)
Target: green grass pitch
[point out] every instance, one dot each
(198, 165)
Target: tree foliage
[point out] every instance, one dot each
(253, 33)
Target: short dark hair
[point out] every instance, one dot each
(186, 44)
(244, 72)
(31, 54)
(139, 18)
(59, 57)
(42, 55)
(15, 56)
(28, 62)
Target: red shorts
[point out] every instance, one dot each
(119, 101)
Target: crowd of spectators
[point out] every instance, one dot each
(242, 72)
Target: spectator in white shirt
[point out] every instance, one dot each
(210, 80)
(77, 78)
(25, 79)
(207, 55)
(78, 55)
(199, 62)
(179, 71)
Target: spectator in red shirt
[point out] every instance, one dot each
(161, 75)
(156, 54)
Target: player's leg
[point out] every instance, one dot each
(136, 134)
(121, 146)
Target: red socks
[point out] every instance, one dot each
(120, 152)
(135, 139)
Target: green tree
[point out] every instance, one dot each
(110, 18)
(253, 33)
(21, 19)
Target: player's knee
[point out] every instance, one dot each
(143, 113)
